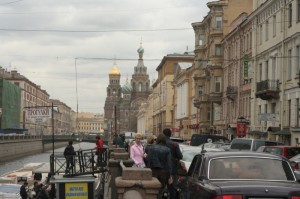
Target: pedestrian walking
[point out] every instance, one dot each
(23, 190)
(137, 152)
(176, 155)
(159, 161)
(36, 188)
(121, 141)
(52, 191)
(43, 193)
(150, 142)
(69, 154)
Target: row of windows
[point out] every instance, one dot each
(114, 81)
(216, 86)
(268, 69)
(89, 124)
(90, 128)
(265, 33)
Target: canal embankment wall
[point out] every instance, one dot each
(14, 149)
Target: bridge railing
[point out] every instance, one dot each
(83, 163)
(14, 137)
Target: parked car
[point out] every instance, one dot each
(217, 145)
(187, 157)
(261, 149)
(188, 152)
(198, 139)
(178, 140)
(286, 151)
(295, 162)
(250, 144)
(241, 175)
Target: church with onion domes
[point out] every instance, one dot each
(122, 102)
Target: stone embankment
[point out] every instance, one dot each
(13, 147)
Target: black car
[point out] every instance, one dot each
(242, 175)
(198, 139)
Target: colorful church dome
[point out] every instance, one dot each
(114, 70)
(140, 49)
(127, 87)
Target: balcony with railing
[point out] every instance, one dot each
(215, 97)
(267, 89)
(231, 92)
(201, 99)
(200, 48)
(216, 31)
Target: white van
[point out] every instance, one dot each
(249, 144)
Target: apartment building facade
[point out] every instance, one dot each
(164, 113)
(90, 123)
(185, 113)
(209, 62)
(237, 76)
(276, 61)
(31, 96)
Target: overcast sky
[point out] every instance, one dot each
(41, 39)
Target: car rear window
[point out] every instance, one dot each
(198, 139)
(244, 168)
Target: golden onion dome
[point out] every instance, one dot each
(114, 70)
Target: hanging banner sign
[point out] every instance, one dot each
(246, 65)
(38, 115)
(241, 129)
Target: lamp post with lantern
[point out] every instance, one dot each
(0, 118)
(115, 117)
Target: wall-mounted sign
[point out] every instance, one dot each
(76, 190)
(241, 129)
(246, 59)
(38, 115)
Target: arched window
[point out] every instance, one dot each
(140, 87)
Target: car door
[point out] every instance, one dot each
(195, 179)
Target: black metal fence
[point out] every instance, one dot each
(271, 85)
(85, 162)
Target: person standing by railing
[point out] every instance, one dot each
(99, 148)
(69, 154)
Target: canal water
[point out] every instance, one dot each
(41, 157)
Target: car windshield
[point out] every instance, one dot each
(242, 168)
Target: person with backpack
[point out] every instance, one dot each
(176, 155)
(69, 154)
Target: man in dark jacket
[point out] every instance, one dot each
(159, 160)
(176, 155)
(23, 191)
(69, 154)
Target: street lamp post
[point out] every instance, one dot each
(115, 119)
(115, 115)
(0, 118)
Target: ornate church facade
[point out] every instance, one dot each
(122, 102)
